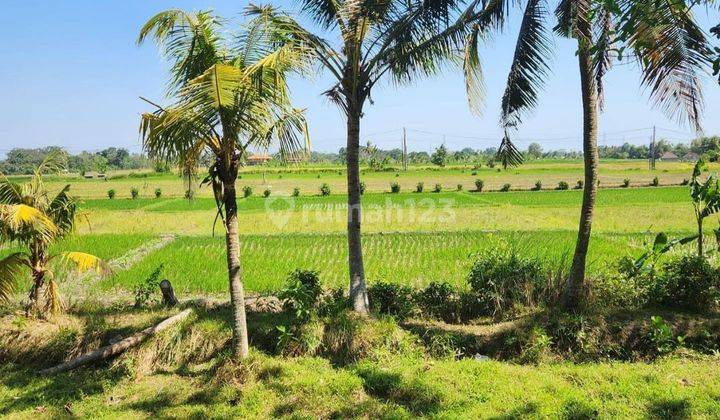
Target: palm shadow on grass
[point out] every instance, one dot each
(415, 396)
(57, 390)
(670, 408)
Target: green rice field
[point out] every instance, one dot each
(197, 264)
(411, 238)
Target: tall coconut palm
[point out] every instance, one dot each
(365, 41)
(668, 47)
(33, 220)
(228, 95)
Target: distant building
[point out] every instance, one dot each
(93, 174)
(669, 157)
(691, 157)
(258, 159)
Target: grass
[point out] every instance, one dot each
(197, 264)
(400, 388)
(185, 372)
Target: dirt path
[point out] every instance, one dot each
(77, 287)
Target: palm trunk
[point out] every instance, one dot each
(358, 289)
(237, 293)
(573, 293)
(34, 295)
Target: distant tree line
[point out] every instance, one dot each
(21, 161)
(376, 158)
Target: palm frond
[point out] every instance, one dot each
(529, 68)
(85, 262)
(603, 51)
(53, 304)
(289, 131)
(62, 210)
(672, 51)
(472, 67)
(323, 12)
(11, 268)
(508, 154)
(189, 40)
(19, 220)
(10, 192)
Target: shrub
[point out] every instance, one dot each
(655, 182)
(134, 193)
(189, 194)
(362, 188)
(443, 301)
(689, 282)
(479, 184)
(503, 280)
(562, 185)
(579, 184)
(324, 189)
(538, 185)
(391, 299)
(144, 291)
(419, 187)
(301, 293)
(267, 192)
(158, 192)
(459, 187)
(394, 188)
(685, 181)
(111, 194)
(437, 188)
(505, 188)
(626, 182)
(473, 173)
(296, 192)
(247, 191)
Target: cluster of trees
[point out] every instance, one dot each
(703, 146)
(20, 161)
(374, 157)
(230, 93)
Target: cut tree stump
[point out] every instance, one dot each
(118, 347)
(168, 293)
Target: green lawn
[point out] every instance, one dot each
(396, 387)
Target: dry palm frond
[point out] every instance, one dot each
(53, 304)
(19, 220)
(85, 262)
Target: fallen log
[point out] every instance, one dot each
(118, 347)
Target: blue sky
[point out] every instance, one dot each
(71, 75)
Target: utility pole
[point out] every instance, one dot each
(405, 156)
(652, 151)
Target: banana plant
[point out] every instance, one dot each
(705, 198)
(32, 220)
(661, 245)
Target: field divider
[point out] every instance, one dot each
(121, 263)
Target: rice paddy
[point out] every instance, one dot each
(410, 238)
(197, 264)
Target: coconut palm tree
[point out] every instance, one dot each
(228, 95)
(361, 43)
(668, 47)
(33, 220)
